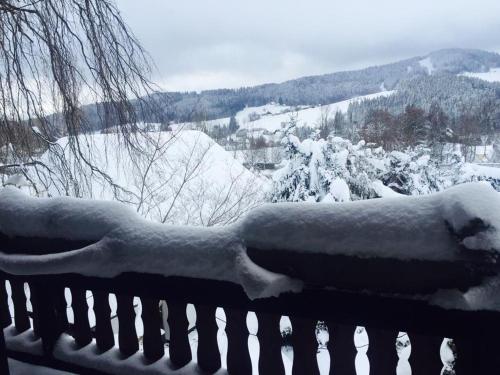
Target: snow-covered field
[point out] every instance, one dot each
(177, 177)
(493, 75)
(308, 116)
(270, 116)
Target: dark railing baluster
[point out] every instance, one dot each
(270, 361)
(36, 303)
(81, 326)
(4, 365)
(382, 352)
(342, 349)
(305, 346)
(238, 356)
(152, 340)
(60, 306)
(425, 358)
(49, 313)
(477, 353)
(5, 319)
(127, 334)
(208, 351)
(103, 330)
(21, 318)
(179, 349)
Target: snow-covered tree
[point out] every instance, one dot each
(336, 170)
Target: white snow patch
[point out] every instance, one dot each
(428, 65)
(24, 342)
(482, 297)
(470, 170)
(22, 368)
(384, 191)
(493, 75)
(190, 180)
(339, 191)
(309, 116)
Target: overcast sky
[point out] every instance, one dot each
(204, 44)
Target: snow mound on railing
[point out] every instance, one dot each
(437, 227)
(124, 242)
(432, 227)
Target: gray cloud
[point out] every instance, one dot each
(201, 44)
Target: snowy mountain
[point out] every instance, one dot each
(314, 90)
(335, 87)
(456, 94)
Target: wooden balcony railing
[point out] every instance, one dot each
(42, 334)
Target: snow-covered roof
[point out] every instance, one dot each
(451, 226)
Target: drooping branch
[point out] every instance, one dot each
(55, 57)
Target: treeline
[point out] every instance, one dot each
(471, 107)
(314, 90)
(415, 126)
(19, 141)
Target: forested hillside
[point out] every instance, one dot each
(322, 89)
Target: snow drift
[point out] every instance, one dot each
(453, 225)
(181, 177)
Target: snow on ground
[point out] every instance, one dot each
(270, 116)
(177, 177)
(209, 124)
(428, 65)
(493, 75)
(477, 170)
(22, 368)
(309, 116)
(249, 114)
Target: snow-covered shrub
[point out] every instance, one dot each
(338, 170)
(415, 172)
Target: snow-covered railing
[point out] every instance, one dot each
(426, 266)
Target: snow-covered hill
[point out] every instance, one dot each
(493, 75)
(308, 116)
(182, 177)
(271, 116)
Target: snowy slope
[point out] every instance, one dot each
(427, 64)
(272, 115)
(493, 75)
(307, 116)
(189, 180)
